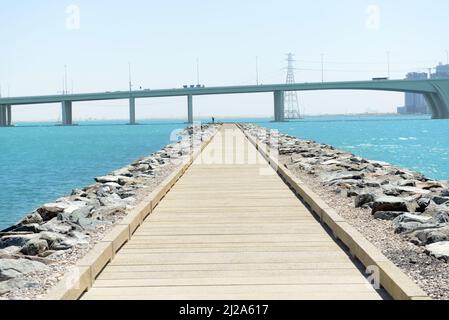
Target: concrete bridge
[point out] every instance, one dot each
(436, 92)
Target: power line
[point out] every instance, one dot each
(291, 97)
(366, 62)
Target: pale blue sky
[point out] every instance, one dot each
(162, 39)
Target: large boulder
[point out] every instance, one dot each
(106, 179)
(363, 199)
(58, 241)
(55, 225)
(440, 200)
(388, 215)
(390, 204)
(17, 283)
(13, 268)
(51, 210)
(31, 219)
(429, 236)
(124, 172)
(332, 177)
(16, 240)
(439, 250)
(35, 247)
(412, 190)
(408, 222)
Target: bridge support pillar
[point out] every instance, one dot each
(67, 119)
(8, 116)
(5, 115)
(132, 111)
(190, 108)
(279, 110)
(438, 101)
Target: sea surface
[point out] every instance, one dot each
(42, 162)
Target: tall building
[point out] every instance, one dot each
(441, 72)
(415, 103)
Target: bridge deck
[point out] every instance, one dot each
(230, 232)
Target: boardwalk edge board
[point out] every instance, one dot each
(398, 285)
(81, 277)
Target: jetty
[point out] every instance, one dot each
(232, 230)
(232, 223)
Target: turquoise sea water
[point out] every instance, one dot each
(40, 163)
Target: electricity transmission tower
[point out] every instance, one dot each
(292, 111)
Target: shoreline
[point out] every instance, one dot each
(37, 252)
(206, 119)
(403, 213)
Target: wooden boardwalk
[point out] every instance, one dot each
(231, 231)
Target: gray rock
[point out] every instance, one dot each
(124, 172)
(35, 247)
(363, 199)
(429, 185)
(429, 236)
(390, 204)
(439, 250)
(52, 237)
(12, 250)
(106, 179)
(31, 219)
(16, 240)
(13, 268)
(51, 210)
(407, 183)
(17, 283)
(56, 226)
(54, 207)
(77, 239)
(58, 241)
(441, 218)
(408, 222)
(343, 176)
(387, 215)
(391, 192)
(423, 204)
(412, 190)
(143, 167)
(409, 217)
(91, 224)
(73, 217)
(407, 227)
(372, 184)
(440, 200)
(113, 185)
(112, 200)
(125, 180)
(379, 164)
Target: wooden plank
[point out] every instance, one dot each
(261, 292)
(280, 238)
(253, 267)
(294, 276)
(228, 257)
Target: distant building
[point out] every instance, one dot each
(441, 72)
(415, 103)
